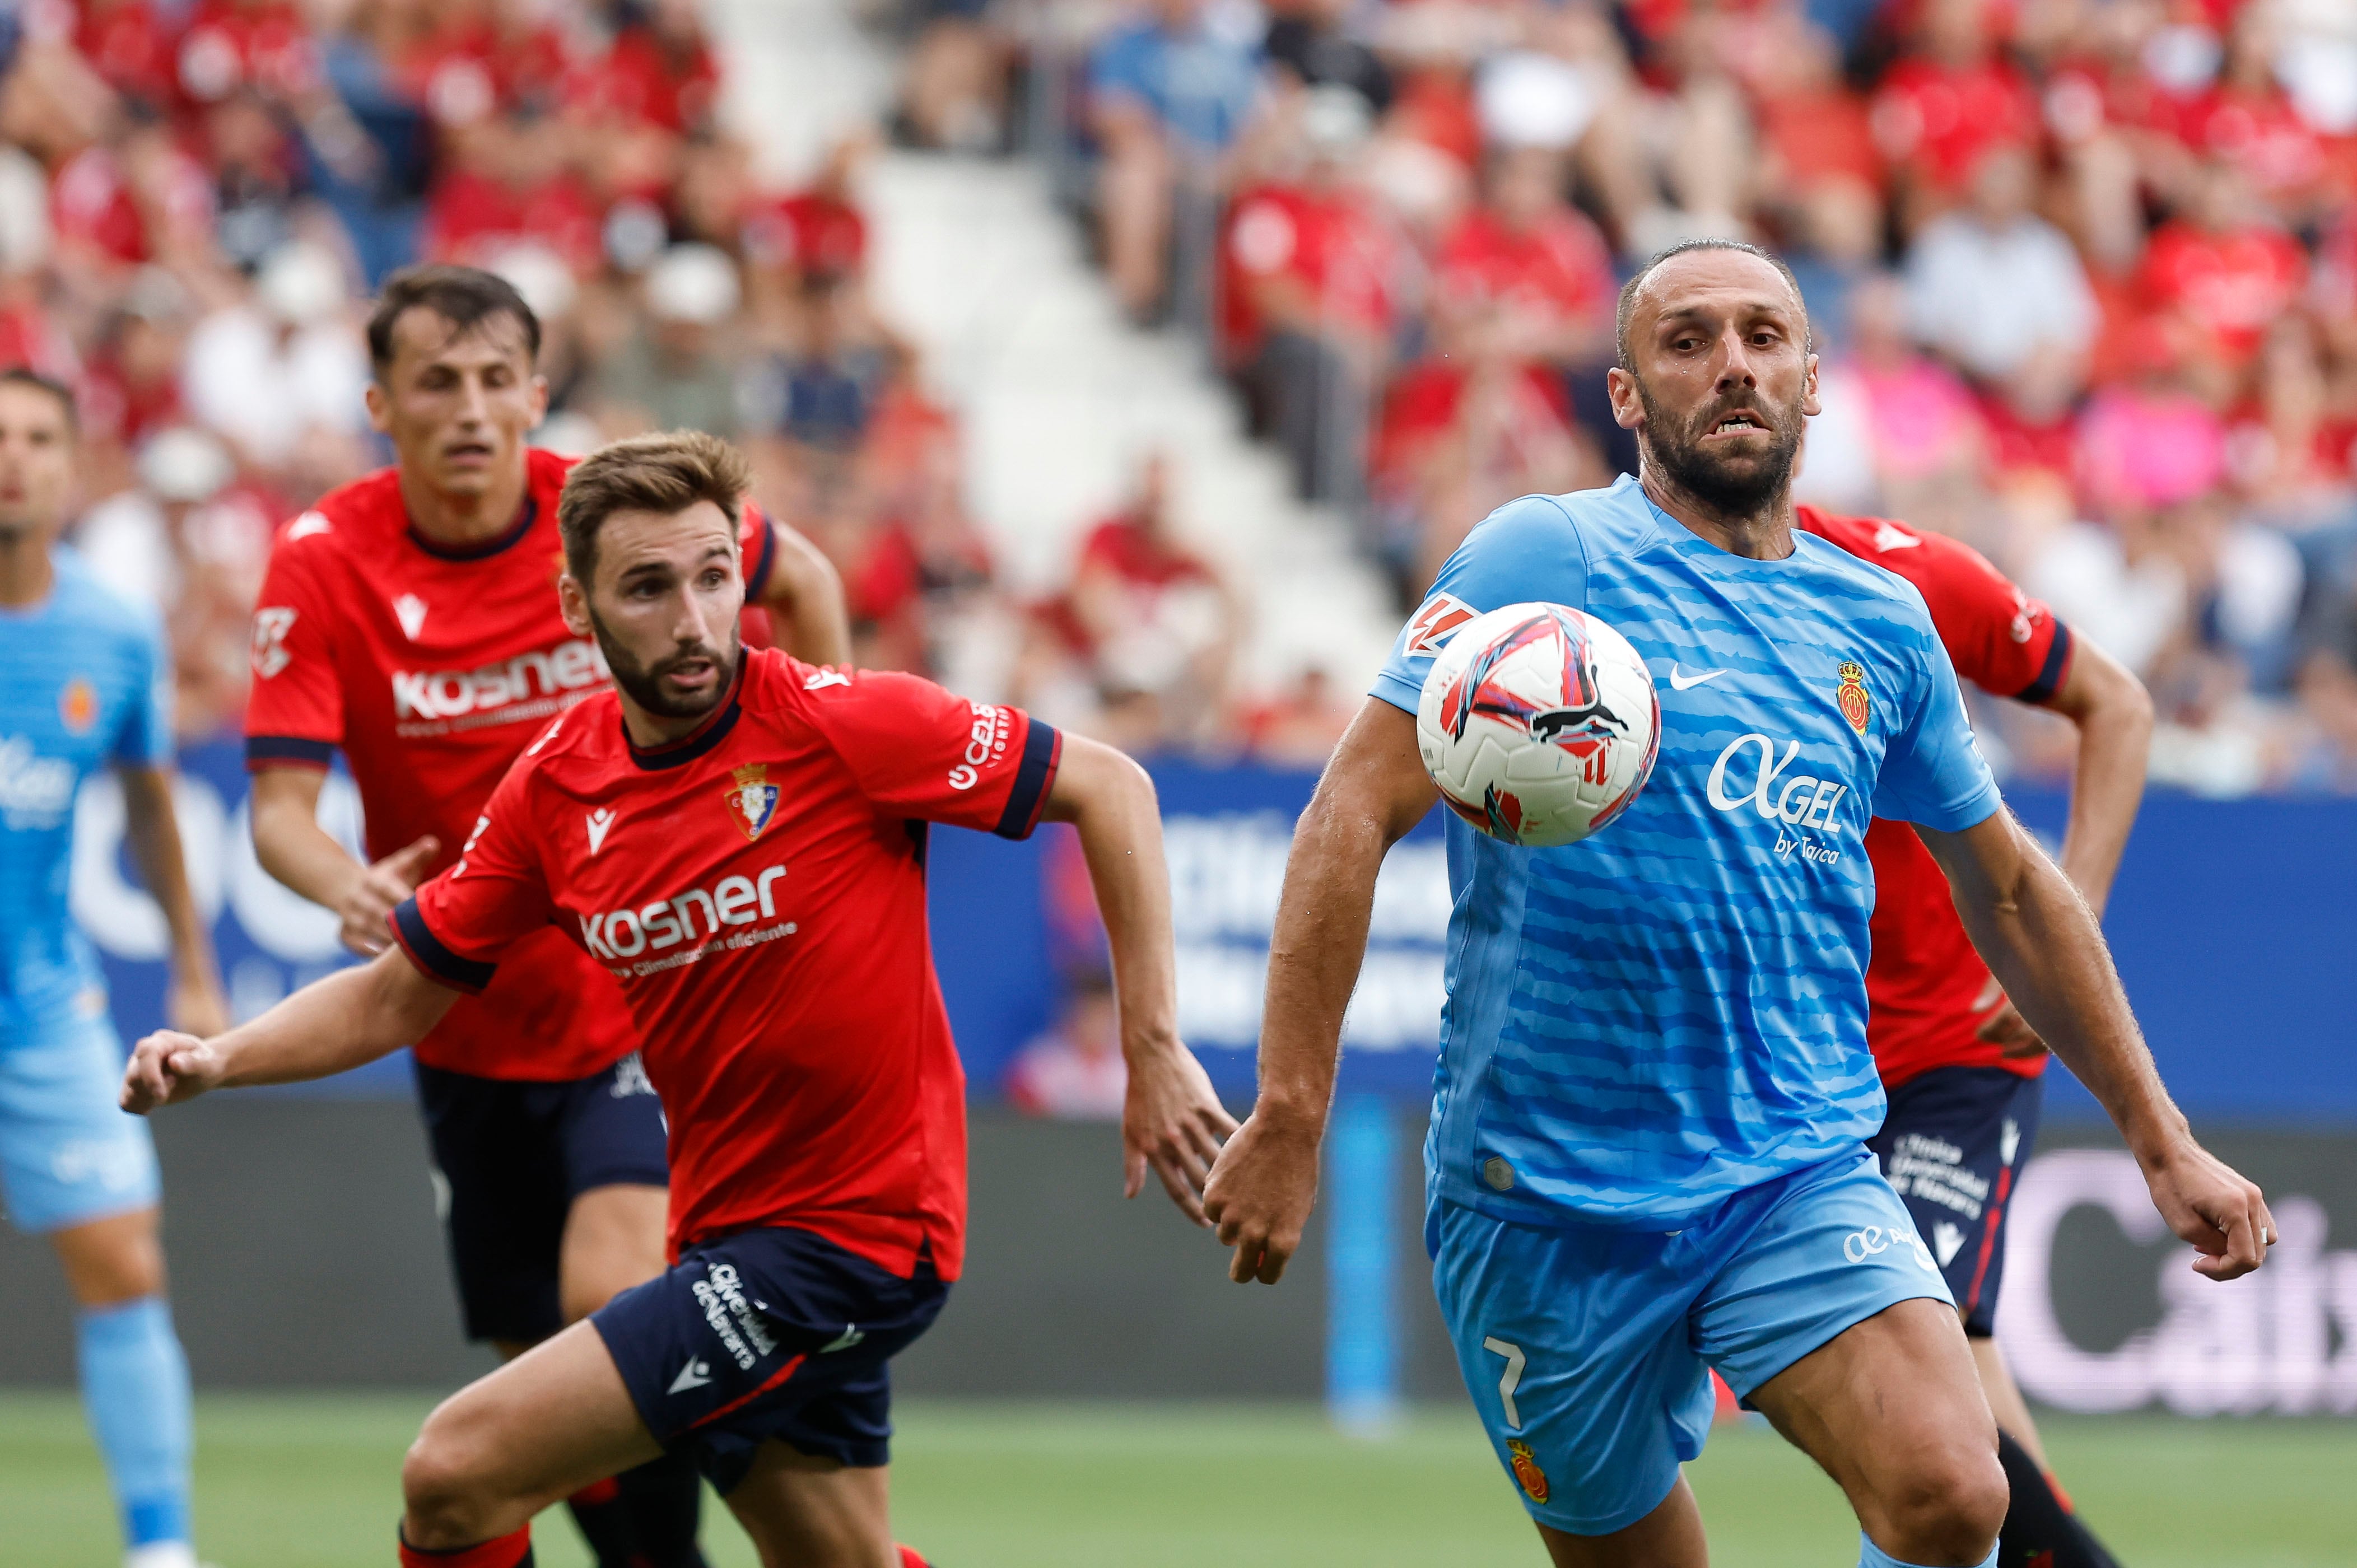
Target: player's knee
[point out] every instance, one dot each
(113, 1261)
(445, 1486)
(1949, 1505)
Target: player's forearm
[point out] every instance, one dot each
(1315, 951)
(2114, 716)
(346, 1020)
(2041, 941)
(806, 589)
(1110, 800)
(153, 830)
(298, 852)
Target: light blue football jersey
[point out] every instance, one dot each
(82, 685)
(1642, 1023)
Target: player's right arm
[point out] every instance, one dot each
(294, 848)
(1373, 791)
(293, 722)
(331, 1025)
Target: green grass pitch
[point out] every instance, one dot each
(309, 1481)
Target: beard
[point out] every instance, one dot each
(642, 684)
(1730, 484)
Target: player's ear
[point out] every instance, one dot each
(1809, 404)
(539, 399)
(573, 603)
(380, 407)
(1627, 408)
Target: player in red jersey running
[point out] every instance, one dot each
(739, 840)
(1963, 1072)
(411, 618)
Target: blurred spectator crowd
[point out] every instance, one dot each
(2082, 275)
(197, 198)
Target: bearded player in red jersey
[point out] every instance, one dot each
(1963, 1071)
(739, 839)
(411, 618)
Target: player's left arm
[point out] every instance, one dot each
(2113, 713)
(798, 582)
(2041, 941)
(1171, 1119)
(194, 1002)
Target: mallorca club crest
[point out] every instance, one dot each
(752, 799)
(1526, 1468)
(1855, 706)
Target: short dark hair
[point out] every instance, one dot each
(463, 296)
(666, 473)
(1637, 281)
(25, 376)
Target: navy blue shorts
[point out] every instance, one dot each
(509, 1159)
(768, 1334)
(1953, 1148)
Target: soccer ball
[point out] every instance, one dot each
(1539, 722)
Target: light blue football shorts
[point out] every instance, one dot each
(1587, 1348)
(68, 1155)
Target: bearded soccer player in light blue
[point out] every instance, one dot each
(1647, 1150)
(84, 685)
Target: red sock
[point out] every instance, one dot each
(909, 1558)
(507, 1552)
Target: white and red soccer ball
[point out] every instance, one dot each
(1539, 722)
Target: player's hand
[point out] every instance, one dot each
(195, 1006)
(2006, 1029)
(381, 889)
(166, 1067)
(1171, 1119)
(2208, 1203)
(1260, 1194)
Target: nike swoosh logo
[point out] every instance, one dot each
(1680, 680)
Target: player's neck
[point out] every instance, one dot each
(1764, 534)
(652, 730)
(461, 520)
(26, 573)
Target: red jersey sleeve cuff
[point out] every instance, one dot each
(286, 751)
(2053, 673)
(1043, 748)
(436, 962)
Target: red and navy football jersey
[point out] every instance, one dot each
(1927, 990)
(756, 892)
(431, 666)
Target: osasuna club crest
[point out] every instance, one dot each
(752, 799)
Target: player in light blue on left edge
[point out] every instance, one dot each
(85, 684)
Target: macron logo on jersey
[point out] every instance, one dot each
(451, 693)
(1887, 539)
(599, 821)
(410, 611)
(309, 523)
(683, 916)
